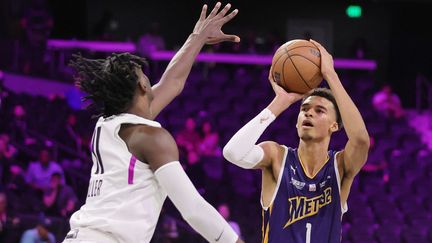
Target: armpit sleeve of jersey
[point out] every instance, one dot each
(241, 149)
(192, 206)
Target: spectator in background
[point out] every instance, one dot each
(20, 197)
(388, 103)
(19, 125)
(11, 176)
(7, 154)
(170, 232)
(59, 199)
(188, 140)
(359, 48)
(224, 210)
(40, 233)
(3, 92)
(107, 27)
(7, 150)
(151, 41)
(209, 144)
(9, 224)
(376, 167)
(39, 173)
(37, 24)
(274, 40)
(69, 135)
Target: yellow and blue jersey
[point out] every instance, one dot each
(304, 209)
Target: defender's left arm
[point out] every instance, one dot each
(208, 30)
(355, 154)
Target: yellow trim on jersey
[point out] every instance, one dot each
(265, 240)
(266, 232)
(304, 169)
(262, 225)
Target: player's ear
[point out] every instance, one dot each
(142, 87)
(334, 127)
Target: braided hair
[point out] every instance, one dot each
(109, 83)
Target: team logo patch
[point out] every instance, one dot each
(312, 187)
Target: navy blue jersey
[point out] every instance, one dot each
(304, 210)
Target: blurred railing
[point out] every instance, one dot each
(110, 47)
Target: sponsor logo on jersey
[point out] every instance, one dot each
(322, 184)
(298, 184)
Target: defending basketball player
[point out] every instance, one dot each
(305, 189)
(135, 160)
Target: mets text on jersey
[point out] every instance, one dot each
(303, 207)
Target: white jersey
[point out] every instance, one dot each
(124, 199)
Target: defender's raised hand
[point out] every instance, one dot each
(210, 27)
(208, 30)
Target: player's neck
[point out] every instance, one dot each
(140, 109)
(139, 112)
(313, 156)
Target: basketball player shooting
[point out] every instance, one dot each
(135, 160)
(305, 189)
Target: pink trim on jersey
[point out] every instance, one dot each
(131, 169)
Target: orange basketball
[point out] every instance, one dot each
(296, 66)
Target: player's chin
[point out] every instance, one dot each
(305, 135)
(306, 129)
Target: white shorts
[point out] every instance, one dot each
(85, 235)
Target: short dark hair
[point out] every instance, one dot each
(109, 83)
(327, 94)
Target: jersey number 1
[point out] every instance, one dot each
(308, 232)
